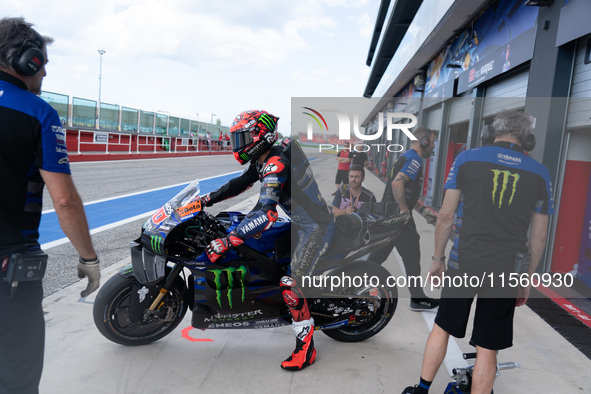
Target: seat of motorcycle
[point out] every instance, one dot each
(348, 232)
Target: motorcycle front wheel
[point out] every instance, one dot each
(381, 299)
(112, 316)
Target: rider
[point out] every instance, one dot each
(287, 180)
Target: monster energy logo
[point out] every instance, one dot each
(244, 156)
(501, 180)
(156, 244)
(267, 120)
(229, 272)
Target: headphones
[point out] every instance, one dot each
(487, 137)
(530, 143)
(30, 58)
(425, 141)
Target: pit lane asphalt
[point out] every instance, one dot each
(79, 359)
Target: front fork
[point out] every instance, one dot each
(176, 270)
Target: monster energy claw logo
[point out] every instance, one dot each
(268, 121)
(156, 244)
(229, 273)
(501, 180)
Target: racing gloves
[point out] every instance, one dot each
(219, 247)
(206, 201)
(89, 268)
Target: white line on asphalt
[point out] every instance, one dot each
(454, 356)
(148, 191)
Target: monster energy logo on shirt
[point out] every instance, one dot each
(229, 272)
(244, 156)
(501, 181)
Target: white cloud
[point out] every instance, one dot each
(366, 25)
(197, 56)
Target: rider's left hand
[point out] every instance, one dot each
(219, 247)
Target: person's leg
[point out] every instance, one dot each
(22, 338)
(485, 369)
(492, 331)
(409, 247)
(302, 325)
(435, 350)
(309, 240)
(451, 319)
(381, 255)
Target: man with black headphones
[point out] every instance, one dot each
(403, 188)
(499, 200)
(32, 153)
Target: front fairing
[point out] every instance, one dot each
(182, 207)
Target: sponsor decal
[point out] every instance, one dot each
(189, 209)
(156, 243)
(159, 216)
(255, 223)
(268, 121)
(231, 325)
(60, 133)
(233, 275)
(142, 293)
(333, 325)
(512, 160)
(273, 166)
(500, 184)
(63, 160)
(234, 316)
(168, 209)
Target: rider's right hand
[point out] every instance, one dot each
(206, 201)
(219, 247)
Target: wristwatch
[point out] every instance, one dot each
(437, 258)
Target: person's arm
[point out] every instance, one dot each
(443, 229)
(338, 212)
(70, 212)
(537, 244)
(233, 187)
(399, 192)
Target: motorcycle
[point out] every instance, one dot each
(170, 273)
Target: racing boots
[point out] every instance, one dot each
(304, 353)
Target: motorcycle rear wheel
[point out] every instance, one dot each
(386, 301)
(112, 317)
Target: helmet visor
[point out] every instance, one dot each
(239, 140)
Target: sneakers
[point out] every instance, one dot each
(423, 304)
(303, 355)
(414, 390)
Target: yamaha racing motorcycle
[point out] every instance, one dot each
(170, 273)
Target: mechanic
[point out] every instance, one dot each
(32, 153)
(403, 188)
(287, 181)
(497, 194)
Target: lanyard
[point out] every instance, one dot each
(354, 205)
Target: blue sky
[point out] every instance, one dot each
(189, 57)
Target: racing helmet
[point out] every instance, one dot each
(252, 134)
